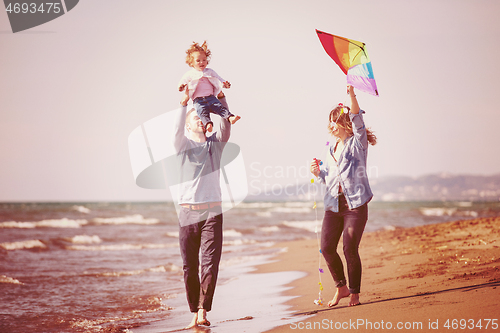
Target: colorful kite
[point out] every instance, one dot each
(352, 58)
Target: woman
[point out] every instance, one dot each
(347, 196)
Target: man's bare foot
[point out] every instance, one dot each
(209, 127)
(354, 300)
(233, 119)
(202, 318)
(341, 293)
(193, 322)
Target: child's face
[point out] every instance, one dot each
(199, 61)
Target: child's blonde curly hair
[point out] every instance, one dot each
(195, 47)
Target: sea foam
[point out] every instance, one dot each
(291, 210)
(85, 239)
(129, 219)
(311, 226)
(241, 241)
(119, 247)
(174, 234)
(29, 244)
(439, 211)
(232, 233)
(6, 279)
(157, 269)
(273, 228)
(60, 223)
(81, 209)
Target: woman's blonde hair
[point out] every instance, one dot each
(340, 115)
(195, 47)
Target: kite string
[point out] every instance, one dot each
(343, 104)
(318, 301)
(317, 228)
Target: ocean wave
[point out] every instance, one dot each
(232, 233)
(239, 260)
(256, 205)
(470, 213)
(227, 233)
(60, 223)
(119, 247)
(86, 325)
(307, 204)
(6, 279)
(81, 209)
(174, 234)
(241, 241)
(263, 214)
(311, 226)
(29, 244)
(439, 211)
(129, 219)
(264, 204)
(453, 211)
(85, 239)
(157, 269)
(273, 228)
(293, 210)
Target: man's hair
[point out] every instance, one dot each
(188, 114)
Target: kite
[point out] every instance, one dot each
(352, 58)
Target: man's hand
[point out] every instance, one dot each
(226, 84)
(184, 101)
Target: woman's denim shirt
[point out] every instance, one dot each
(349, 171)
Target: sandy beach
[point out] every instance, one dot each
(440, 277)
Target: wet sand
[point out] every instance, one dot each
(440, 278)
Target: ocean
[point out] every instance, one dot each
(116, 267)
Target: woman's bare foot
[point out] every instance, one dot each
(341, 293)
(233, 119)
(354, 300)
(202, 318)
(193, 322)
(209, 127)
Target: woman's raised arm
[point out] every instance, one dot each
(354, 101)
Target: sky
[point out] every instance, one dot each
(72, 90)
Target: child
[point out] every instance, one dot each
(202, 84)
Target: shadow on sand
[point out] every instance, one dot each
(465, 289)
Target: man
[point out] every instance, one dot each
(200, 211)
